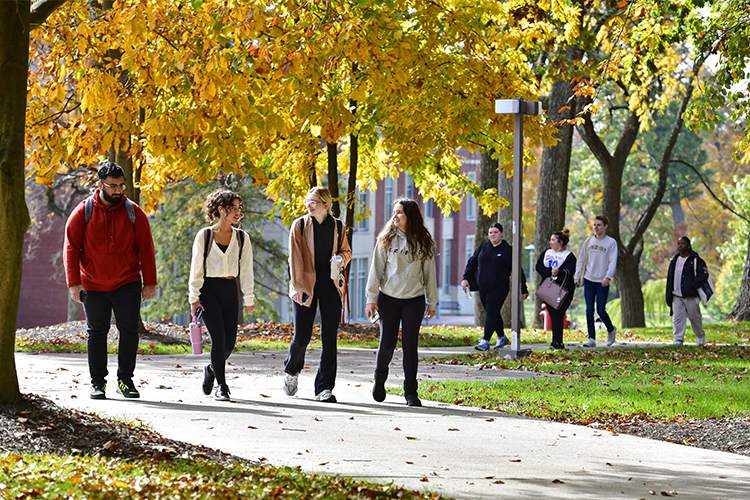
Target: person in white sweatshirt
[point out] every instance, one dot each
(402, 288)
(595, 268)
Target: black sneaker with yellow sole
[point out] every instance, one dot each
(127, 389)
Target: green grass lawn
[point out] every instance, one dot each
(95, 478)
(656, 384)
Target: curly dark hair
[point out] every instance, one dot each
(418, 237)
(222, 198)
(109, 169)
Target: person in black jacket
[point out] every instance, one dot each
(559, 264)
(490, 267)
(687, 274)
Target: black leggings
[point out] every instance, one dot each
(493, 300)
(220, 311)
(326, 297)
(408, 313)
(557, 318)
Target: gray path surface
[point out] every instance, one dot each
(458, 451)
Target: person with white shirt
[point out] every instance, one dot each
(559, 264)
(686, 275)
(402, 289)
(222, 254)
(595, 269)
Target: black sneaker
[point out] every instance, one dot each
(127, 389)
(222, 393)
(208, 379)
(98, 391)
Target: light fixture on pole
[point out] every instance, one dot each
(518, 108)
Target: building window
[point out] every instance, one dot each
(361, 302)
(388, 204)
(469, 246)
(471, 202)
(409, 187)
(428, 208)
(447, 266)
(362, 203)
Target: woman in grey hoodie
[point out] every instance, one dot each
(402, 288)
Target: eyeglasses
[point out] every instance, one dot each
(312, 202)
(115, 186)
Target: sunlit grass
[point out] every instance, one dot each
(666, 383)
(94, 478)
(430, 336)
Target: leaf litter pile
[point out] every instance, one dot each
(39, 426)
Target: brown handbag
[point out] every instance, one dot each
(552, 293)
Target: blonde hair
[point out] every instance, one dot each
(324, 194)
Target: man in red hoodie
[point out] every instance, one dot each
(107, 248)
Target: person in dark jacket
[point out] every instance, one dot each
(490, 267)
(687, 274)
(559, 264)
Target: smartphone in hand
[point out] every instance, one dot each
(198, 313)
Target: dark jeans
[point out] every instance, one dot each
(492, 301)
(596, 292)
(220, 303)
(126, 304)
(327, 298)
(408, 313)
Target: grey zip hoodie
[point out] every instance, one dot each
(397, 274)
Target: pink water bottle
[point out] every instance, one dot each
(196, 336)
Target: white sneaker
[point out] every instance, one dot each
(326, 396)
(590, 343)
(483, 345)
(677, 342)
(611, 336)
(701, 341)
(501, 342)
(290, 384)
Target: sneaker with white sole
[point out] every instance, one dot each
(677, 342)
(290, 384)
(590, 343)
(483, 345)
(701, 341)
(501, 342)
(98, 391)
(326, 396)
(611, 336)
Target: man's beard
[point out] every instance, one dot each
(114, 200)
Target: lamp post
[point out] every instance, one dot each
(518, 108)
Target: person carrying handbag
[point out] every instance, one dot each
(558, 264)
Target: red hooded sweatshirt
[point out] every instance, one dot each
(115, 251)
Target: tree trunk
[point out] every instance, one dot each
(613, 166)
(487, 180)
(14, 214)
(552, 193)
(333, 177)
(741, 309)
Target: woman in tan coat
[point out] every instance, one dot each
(316, 241)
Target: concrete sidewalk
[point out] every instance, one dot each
(458, 451)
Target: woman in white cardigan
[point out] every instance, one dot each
(222, 254)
